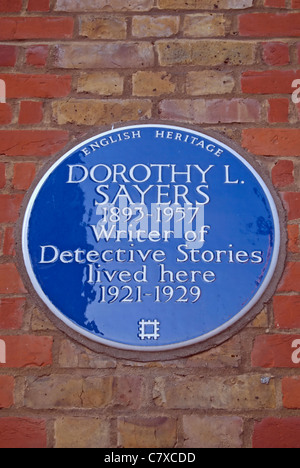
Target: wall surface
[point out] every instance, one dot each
(74, 66)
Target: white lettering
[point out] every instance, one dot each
(2, 92)
(296, 93)
(227, 180)
(83, 178)
(51, 256)
(2, 352)
(296, 354)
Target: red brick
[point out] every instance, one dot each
(10, 280)
(279, 110)
(296, 4)
(273, 351)
(31, 112)
(23, 433)
(16, 28)
(275, 3)
(269, 81)
(32, 142)
(277, 433)
(294, 232)
(2, 175)
(283, 173)
(276, 53)
(272, 141)
(291, 392)
(10, 6)
(38, 5)
(8, 56)
(10, 207)
(291, 278)
(5, 114)
(7, 384)
(9, 242)
(37, 55)
(24, 173)
(36, 86)
(211, 111)
(270, 25)
(291, 202)
(11, 313)
(286, 311)
(27, 351)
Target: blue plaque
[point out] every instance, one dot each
(151, 238)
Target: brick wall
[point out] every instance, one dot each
(73, 65)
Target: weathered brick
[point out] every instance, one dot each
(7, 384)
(40, 322)
(294, 238)
(103, 27)
(211, 111)
(283, 173)
(204, 4)
(276, 53)
(38, 5)
(212, 432)
(191, 392)
(72, 356)
(269, 81)
(291, 392)
(2, 175)
(270, 25)
(204, 25)
(80, 432)
(291, 278)
(31, 143)
(23, 433)
(31, 112)
(37, 55)
(107, 5)
(291, 202)
(202, 83)
(24, 174)
(65, 391)
(160, 432)
(205, 53)
(8, 56)
(226, 355)
(36, 86)
(102, 83)
(11, 313)
(15, 28)
(10, 6)
(9, 242)
(155, 26)
(272, 141)
(104, 55)
(277, 433)
(5, 114)
(10, 207)
(278, 110)
(152, 83)
(275, 3)
(28, 351)
(96, 112)
(273, 351)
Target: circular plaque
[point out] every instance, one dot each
(152, 238)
